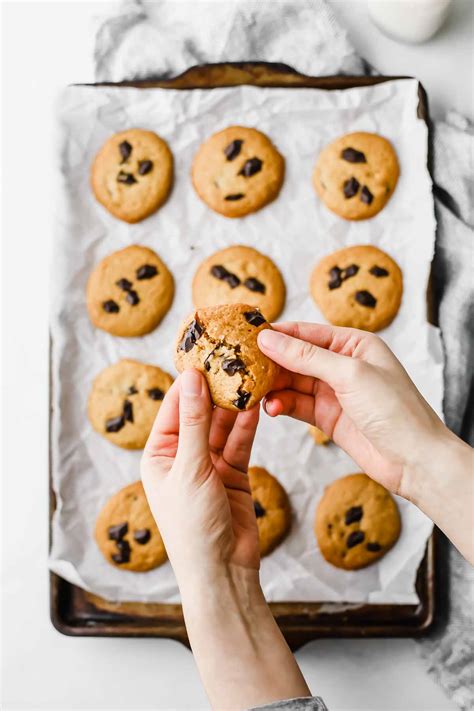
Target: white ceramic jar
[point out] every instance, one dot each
(409, 20)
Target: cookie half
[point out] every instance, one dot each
(221, 342)
(126, 532)
(355, 175)
(124, 401)
(237, 171)
(240, 275)
(132, 174)
(359, 287)
(272, 508)
(357, 522)
(129, 292)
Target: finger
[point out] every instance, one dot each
(195, 415)
(291, 404)
(166, 425)
(334, 338)
(239, 444)
(293, 381)
(221, 427)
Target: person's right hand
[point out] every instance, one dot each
(350, 385)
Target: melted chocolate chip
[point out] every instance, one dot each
(147, 271)
(234, 197)
(115, 424)
(124, 284)
(111, 306)
(231, 366)
(354, 538)
(233, 149)
(132, 390)
(373, 547)
(142, 536)
(350, 271)
(255, 318)
(132, 297)
(128, 411)
(365, 298)
(351, 155)
(155, 393)
(378, 271)
(232, 280)
(353, 514)
(126, 178)
(366, 196)
(259, 510)
(221, 273)
(117, 532)
(335, 279)
(144, 166)
(351, 187)
(250, 167)
(123, 556)
(191, 335)
(125, 150)
(254, 284)
(242, 399)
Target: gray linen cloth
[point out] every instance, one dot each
(140, 39)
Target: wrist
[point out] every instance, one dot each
(218, 584)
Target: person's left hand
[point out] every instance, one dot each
(194, 470)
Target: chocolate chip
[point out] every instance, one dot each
(111, 306)
(254, 284)
(366, 196)
(231, 366)
(365, 298)
(351, 187)
(351, 155)
(128, 411)
(147, 271)
(124, 284)
(373, 547)
(255, 318)
(353, 514)
(142, 536)
(232, 280)
(242, 399)
(354, 538)
(132, 390)
(126, 178)
(235, 196)
(132, 297)
(378, 271)
(155, 393)
(350, 271)
(125, 150)
(117, 532)
(115, 424)
(259, 510)
(219, 271)
(192, 334)
(123, 556)
(250, 167)
(335, 279)
(144, 166)
(233, 149)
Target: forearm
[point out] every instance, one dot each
(441, 483)
(242, 657)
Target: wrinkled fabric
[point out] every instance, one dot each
(312, 703)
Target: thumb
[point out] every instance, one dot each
(195, 414)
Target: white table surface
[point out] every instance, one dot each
(46, 46)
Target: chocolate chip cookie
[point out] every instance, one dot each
(124, 401)
(237, 171)
(272, 508)
(221, 342)
(129, 292)
(240, 274)
(126, 532)
(360, 287)
(132, 174)
(356, 175)
(357, 522)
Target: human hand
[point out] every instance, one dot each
(194, 470)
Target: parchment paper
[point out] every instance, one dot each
(296, 231)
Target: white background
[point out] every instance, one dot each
(46, 46)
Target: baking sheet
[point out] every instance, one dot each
(296, 231)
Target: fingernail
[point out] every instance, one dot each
(271, 340)
(190, 383)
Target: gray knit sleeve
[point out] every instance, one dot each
(307, 703)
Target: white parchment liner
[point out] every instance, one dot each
(296, 231)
